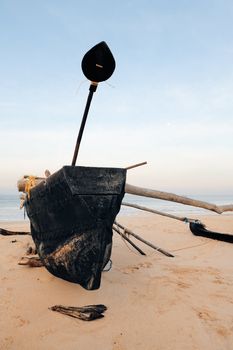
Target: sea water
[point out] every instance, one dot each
(9, 206)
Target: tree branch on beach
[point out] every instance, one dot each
(145, 192)
(5, 232)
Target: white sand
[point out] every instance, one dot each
(154, 302)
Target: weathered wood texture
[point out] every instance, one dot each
(85, 313)
(123, 235)
(144, 192)
(141, 207)
(12, 233)
(130, 232)
(71, 216)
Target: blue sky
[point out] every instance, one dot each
(169, 100)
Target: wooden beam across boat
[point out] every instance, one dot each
(145, 192)
(151, 193)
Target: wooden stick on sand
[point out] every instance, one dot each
(116, 229)
(140, 207)
(12, 233)
(143, 240)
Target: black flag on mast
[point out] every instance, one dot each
(98, 64)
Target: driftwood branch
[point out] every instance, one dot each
(31, 261)
(85, 313)
(12, 233)
(143, 240)
(140, 191)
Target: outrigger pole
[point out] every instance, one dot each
(98, 65)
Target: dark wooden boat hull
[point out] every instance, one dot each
(71, 216)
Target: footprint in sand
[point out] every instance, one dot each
(134, 268)
(206, 315)
(160, 289)
(218, 280)
(7, 343)
(211, 318)
(21, 321)
(223, 331)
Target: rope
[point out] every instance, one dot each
(30, 183)
(123, 239)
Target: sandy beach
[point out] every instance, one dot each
(154, 302)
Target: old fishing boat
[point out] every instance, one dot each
(72, 211)
(71, 216)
